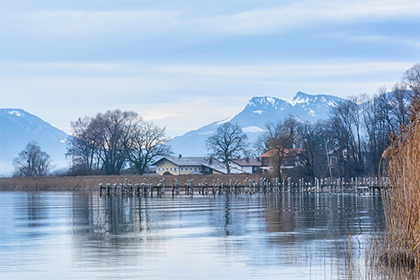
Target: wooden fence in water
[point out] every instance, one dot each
(251, 186)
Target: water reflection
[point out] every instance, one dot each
(309, 236)
(32, 214)
(318, 214)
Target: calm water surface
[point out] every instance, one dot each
(81, 235)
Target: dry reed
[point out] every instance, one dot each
(401, 247)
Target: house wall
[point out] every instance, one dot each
(189, 169)
(247, 169)
(167, 166)
(164, 166)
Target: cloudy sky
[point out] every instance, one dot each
(184, 64)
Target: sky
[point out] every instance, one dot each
(185, 64)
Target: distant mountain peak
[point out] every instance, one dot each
(265, 102)
(304, 98)
(18, 128)
(301, 97)
(15, 112)
(301, 94)
(254, 117)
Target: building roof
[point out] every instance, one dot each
(247, 162)
(180, 161)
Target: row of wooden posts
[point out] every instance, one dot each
(262, 185)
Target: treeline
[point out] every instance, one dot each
(111, 141)
(351, 142)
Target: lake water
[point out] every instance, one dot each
(82, 235)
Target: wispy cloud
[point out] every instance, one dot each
(277, 18)
(62, 22)
(287, 70)
(244, 71)
(373, 38)
(304, 13)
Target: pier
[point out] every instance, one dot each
(206, 186)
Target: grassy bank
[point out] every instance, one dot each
(92, 182)
(401, 246)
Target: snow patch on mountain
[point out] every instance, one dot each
(224, 121)
(15, 112)
(265, 102)
(312, 113)
(332, 104)
(271, 100)
(253, 129)
(299, 101)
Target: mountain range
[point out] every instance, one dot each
(18, 127)
(254, 117)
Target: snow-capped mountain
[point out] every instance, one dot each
(18, 128)
(254, 117)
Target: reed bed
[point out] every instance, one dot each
(401, 245)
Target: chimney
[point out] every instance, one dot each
(179, 156)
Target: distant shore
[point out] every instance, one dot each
(92, 182)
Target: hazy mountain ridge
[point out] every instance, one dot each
(18, 128)
(253, 118)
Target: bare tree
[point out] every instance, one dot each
(412, 79)
(102, 142)
(32, 161)
(280, 138)
(399, 99)
(81, 148)
(147, 142)
(112, 133)
(227, 143)
(346, 122)
(376, 122)
(313, 155)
